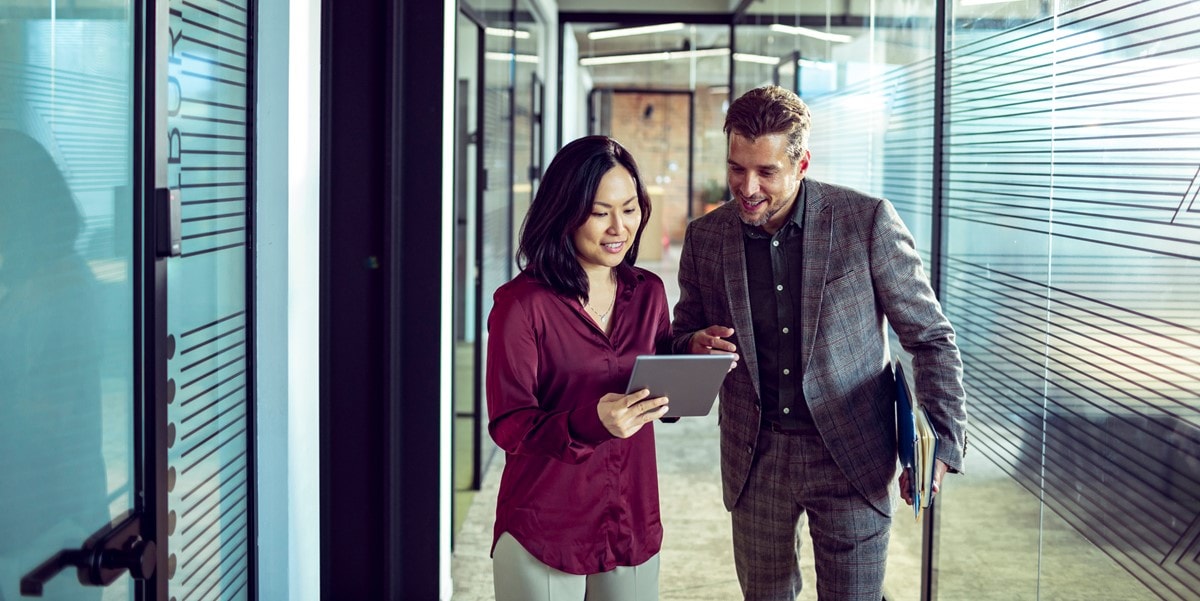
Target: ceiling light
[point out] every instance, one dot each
(651, 57)
(507, 56)
(627, 31)
(812, 33)
(507, 33)
(823, 66)
(755, 58)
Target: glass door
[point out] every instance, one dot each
(68, 296)
(468, 427)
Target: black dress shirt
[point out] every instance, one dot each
(774, 275)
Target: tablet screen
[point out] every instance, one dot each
(691, 382)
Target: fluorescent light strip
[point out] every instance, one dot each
(755, 58)
(505, 56)
(812, 33)
(816, 65)
(628, 31)
(507, 33)
(651, 57)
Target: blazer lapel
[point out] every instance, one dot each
(818, 244)
(737, 290)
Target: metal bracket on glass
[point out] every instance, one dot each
(104, 557)
(168, 222)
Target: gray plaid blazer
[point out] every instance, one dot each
(861, 272)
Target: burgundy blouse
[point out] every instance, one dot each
(577, 498)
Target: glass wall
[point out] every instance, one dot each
(210, 440)
(1072, 275)
(1069, 219)
(499, 98)
(67, 281)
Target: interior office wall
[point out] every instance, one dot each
(287, 230)
(1070, 274)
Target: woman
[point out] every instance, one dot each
(577, 513)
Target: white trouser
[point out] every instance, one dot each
(519, 576)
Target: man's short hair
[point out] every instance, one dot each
(771, 110)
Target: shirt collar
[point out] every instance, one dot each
(628, 276)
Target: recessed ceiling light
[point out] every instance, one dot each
(628, 31)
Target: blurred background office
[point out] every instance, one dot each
(291, 216)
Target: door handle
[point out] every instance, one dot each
(104, 557)
(168, 222)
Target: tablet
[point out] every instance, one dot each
(691, 382)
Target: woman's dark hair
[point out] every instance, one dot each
(563, 203)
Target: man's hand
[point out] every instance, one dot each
(939, 470)
(711, 341)
(624, 414)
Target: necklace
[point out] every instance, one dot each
(603, 316)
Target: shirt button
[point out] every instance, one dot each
(786, 411)
(786, 371)
(779, 287)
(785, 330)
(774, 243)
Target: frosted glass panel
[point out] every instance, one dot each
(209, 480)
(66, 295)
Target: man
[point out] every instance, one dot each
(797, 276)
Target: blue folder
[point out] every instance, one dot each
(910, 428)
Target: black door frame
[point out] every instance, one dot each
(381, 312)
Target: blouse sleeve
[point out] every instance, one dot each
(518, 423)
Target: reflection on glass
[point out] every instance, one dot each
(56, 489)
(66, 300)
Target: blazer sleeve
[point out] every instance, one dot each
(518, 423)
(903, 291)
(689, 309)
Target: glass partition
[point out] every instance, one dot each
(1072, 275)
(67, 285)
(209, 315)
